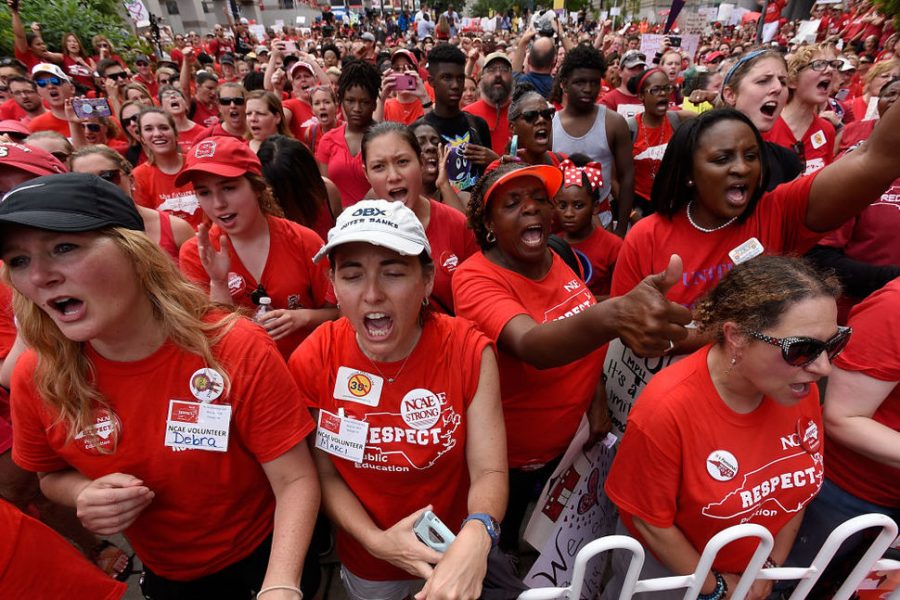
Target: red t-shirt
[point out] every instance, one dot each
(204, 115)
(624, 104)
(403, 112)
(216, 130)
(10, 110)
(78, 72)
(817, 143)
(151, 85)
(344, 169)
(36, 562)
(290, 277)
(541, 407)
(874, 350)
(411, 457)
(451, 242)
(688, 460)
(602, 249)
(211, 509)
(189, 137)
(28, 58)
(773, 10)
(497, 121)
(649, 146)
(157, 190)
(301, 112)
(777, 222)
(49, 122)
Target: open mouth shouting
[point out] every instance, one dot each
(399, 194)
(737, 195)
(542, 134)
(533, 236)
(66, 308)
(769, 108)
(226, 220)
(377, 325)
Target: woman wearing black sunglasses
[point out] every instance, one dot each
(531, 122)
(733, 433)
(232, 99)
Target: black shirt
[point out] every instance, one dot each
(456, 132)
(782, 164)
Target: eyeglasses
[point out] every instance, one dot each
(92, 127)
(141, 63)
(236, 101)
(531, 116)
(803, 351)
(27, 92)
(117, 76)
(662, 90)
(164, 81)
(498, 69)
(822, 64)
(113, 176)
(61, 156)
(44, 82)
(258, 294)
(129, 121)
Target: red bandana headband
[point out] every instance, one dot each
(572, 174)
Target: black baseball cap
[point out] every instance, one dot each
(70, 202)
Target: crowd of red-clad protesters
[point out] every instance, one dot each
(258, 292)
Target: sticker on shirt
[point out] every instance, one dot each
(813, 165)
(420, 408)
(449, 261)
(206, 384)
(102, 436)
(630, 110)
(808, 434)
(236, 284)
(198, 426)
(652, 153)
(749, 249)
(818, 139)
(358, 386)
(341, 436)
(721, 465)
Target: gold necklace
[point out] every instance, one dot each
(400, 370)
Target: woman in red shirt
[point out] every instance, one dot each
(428, 434)
(137, 388)
(704, 448)
(76, 63)
(172, 100)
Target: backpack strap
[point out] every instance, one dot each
(632, 127)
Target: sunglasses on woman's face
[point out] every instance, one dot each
(117, 76)
(112, 175)
(129, 121)
(803, 351)
(531, 116)
(92, 127)
(237, 101)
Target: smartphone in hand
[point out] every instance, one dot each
(432, 532)
(91, 108)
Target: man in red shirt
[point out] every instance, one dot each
(54, 88)
(496, 88)
(145, 75)
(26, 102)
(620, 99)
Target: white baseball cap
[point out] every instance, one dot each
(51, 69)
(380, 223)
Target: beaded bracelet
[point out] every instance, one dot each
(719, 592)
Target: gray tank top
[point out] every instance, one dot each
(594, 144)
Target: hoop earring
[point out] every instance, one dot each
(490, 237)
(425, 301)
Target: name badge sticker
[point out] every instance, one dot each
(818, 139)
(341, 436)
(749, 249)
(198, 426)
(358, 386)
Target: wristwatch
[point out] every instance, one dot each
(489, 522)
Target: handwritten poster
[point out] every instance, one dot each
(572, 511)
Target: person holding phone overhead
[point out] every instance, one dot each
(411, 101)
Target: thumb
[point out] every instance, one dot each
(411, 519)
(668, 278)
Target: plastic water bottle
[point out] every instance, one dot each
(265, 306)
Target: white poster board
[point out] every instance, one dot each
(138, 12)
(692, 23)
(279, 23)
(711, 13)
(808, 30)
(651, 43)
(258, 31)
(572, 511)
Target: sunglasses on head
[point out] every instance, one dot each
(45, 81)
(117, 76)
(112, 175)
(531, 116)
(92, 127)
(803, 351)
(237, 101)
(259, 293)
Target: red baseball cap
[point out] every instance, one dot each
(30, 159)
(220, 155)
(14, 126)
(408, 54)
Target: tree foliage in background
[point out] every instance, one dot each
(85, 18)
(890, 8)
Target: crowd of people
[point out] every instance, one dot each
(395, 257)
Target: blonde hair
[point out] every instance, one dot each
(274, 106)
(879, 69)
(64, 375)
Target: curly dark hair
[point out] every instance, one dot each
(333, 48)
(757, 293)
(359, 73)
(476, 207)
(670, 188)
(445, 53)
(581, 57)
